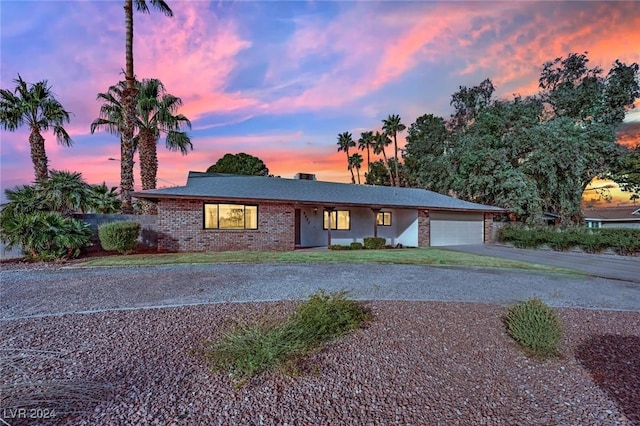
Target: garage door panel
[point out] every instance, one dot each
(457, 232)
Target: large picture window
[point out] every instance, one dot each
(384, 218)
(230, 216)
(340, 220)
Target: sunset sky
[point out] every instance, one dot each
(281, 79)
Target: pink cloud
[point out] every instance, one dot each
(193, 54)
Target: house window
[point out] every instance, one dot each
(384, 218)
(340, 220)
(230, 216)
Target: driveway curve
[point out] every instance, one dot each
(33, 293)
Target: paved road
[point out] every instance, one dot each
(626, 268)
(27, 293)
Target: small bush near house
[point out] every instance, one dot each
(374, 243)
(248, 350)
(119, 236)
(534, 326)
(356, 246)
(338, 247)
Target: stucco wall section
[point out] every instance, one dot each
(180, 228)
(424, 228)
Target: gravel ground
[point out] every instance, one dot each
(71, 290)
(416, 363)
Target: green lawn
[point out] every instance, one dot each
(429, 256)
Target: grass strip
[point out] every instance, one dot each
(418, 256)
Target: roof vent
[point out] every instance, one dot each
(305, 176)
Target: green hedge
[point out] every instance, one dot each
(622, 241)
(374, 243)
(119, 236)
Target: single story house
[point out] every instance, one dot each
(222, 212)
(612, 217)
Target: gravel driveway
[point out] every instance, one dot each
(420, 361)
(56, 291)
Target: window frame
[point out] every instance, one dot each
(384, 215)
(244, 216)
(334, 224)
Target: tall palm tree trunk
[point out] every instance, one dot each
(386, 164)
(353, 178)
(38, 155)
(395, 146)
(129, 105)
(368, 159)
(148, 167)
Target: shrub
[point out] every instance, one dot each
(119, 236)
(248, 350)
(374, 243)
(621, 240)
(534, 326)
(44, 235)
(338, 247)
(356, 246)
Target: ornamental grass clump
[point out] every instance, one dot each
(535, 326)
(248, 350)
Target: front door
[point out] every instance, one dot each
(297, 227)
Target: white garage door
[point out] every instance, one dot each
(454, 229)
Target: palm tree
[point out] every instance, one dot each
(392, 125)
(380, 142)
(356, 161)
(366, 143)
(156, 111)
(345, 141)
(129, 99)
(155, 114)
(105, 199)
(35, 106)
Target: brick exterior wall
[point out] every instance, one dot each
(424, 228)
(181, 229)
(488, 227)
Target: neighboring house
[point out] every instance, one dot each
(613, 217)
(220, 212)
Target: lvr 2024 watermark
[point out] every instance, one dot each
(28, 413)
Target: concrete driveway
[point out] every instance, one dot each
(610, 266)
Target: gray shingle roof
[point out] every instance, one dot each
(237, 187)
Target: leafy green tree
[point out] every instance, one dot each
(240, 164)
(129, 95)
(355, 162)
(575, 91)
(626, 172)
(378, 174)
(365, 143)
(469, 102)
(486, 159)
(345, 141)
(427, 154)
(391, 126)
(34, 105)
(380, 142)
